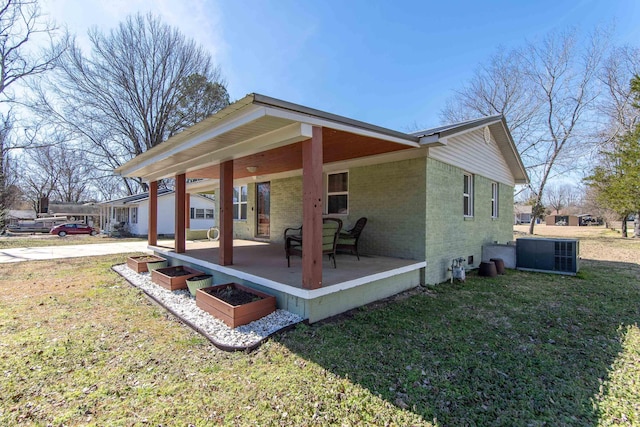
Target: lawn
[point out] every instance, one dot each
(39, 240)
(78, 345)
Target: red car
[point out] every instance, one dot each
(64, 229)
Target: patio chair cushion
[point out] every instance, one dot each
(330, 231)
(346, 240)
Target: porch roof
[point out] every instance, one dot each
(264, 133)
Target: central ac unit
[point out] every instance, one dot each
(559, 256)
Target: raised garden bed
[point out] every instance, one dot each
(174, 277)
(235, 304)
(139, 263)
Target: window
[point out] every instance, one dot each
(197, 213)
(122, 215)
(494, 200)
(134, 215)
(338, 193)
(467, 195)
(240, 202)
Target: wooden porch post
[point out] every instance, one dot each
(180, 235)
(153, 214)
(225, 207)
(312, 210)
(187, 211)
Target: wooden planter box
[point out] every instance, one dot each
(168, 279)
(235, 315)
(139, 263)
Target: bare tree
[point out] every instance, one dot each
(615, 105)
(499, 87)
(141, 83)
(21, 25)
(39, 176)
(546, 91)
(559, 197)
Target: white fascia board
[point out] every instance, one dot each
(514, 151)
(288, 289)
(289, 134)
(433, 140)
(252, 114)
(315, 121)
(204, 185)
(452, 134)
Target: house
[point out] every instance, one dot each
(522, 214)
(430, 197)
(86, 213)
(131, 214)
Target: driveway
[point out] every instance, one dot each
(72, 251)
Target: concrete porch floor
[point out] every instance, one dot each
(268, 261)
(263, 266)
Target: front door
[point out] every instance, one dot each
(263, 190)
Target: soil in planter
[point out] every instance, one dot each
(175, 272)
(232, 295)
(147, 259)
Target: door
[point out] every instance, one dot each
(263, 207)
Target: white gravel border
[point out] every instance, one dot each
(184, 306)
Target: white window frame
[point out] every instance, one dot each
(134, 215)
(239, 203)
(495, 192)
(467, 198)
(335, 193)
(197, 213)
(208, 213)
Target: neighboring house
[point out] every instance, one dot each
(430, 197)
(561, 218)
(131, 213)
(16, 215)
(86, 213)
(522, 214)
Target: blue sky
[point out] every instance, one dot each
(393, 64)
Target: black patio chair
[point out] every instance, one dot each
(349, 239)
(330, 230)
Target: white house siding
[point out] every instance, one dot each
(167, 215)
(200, 202)
(470, 152)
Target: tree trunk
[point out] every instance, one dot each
(636, 225)
(624, 225)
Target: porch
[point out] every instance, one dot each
(263, 266)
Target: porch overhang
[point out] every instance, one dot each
(247, 129)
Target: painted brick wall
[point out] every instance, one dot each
(286, 209)
(391, 196)
(449, 233)
(402, 222)
(286, 206)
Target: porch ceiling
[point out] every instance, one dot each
(263, 132)
(337, 146)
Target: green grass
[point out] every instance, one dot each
(29, 241)
(80, 346)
